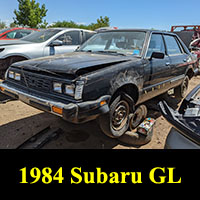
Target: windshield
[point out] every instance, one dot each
(41, 36)
(128, 43)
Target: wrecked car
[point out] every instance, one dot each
(185, 133)
(38, 44)
(110, 75)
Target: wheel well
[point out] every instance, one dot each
(190, 73)
(129, 89)
(6, 62)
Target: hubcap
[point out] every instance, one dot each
(120, 115)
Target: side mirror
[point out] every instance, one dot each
(157, 55)
(56, 43)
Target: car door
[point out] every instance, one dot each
(71, 41)
(158, 70)
(178, 59)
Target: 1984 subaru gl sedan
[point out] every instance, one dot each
(108, 78)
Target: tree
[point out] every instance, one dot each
(101, 22)
(2, 25)
(29, 13)
(13, 25)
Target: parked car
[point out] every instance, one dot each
(15, 33)
(44, 43)
(110, 75)
(190, 35)
(185, 133)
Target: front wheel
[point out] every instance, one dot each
(115, 123)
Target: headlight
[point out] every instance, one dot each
(17, 77)
(11, 74)
(70, 90)
(73, 90)
(57, 87)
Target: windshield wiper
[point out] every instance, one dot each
(112, 52)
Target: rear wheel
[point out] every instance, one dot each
(181, 91)
(115, 123)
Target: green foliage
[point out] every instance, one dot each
(13, 25)
(101, 22)
(2, 25)
(29, 13)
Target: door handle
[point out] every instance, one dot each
(167, 64)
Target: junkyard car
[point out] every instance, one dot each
(185, 133)
(107, 78)
(15, 33)
(44, 43)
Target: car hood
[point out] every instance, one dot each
(13, 42)
(72, 63)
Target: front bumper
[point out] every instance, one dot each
(72, 112)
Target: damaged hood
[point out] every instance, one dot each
(71, 63)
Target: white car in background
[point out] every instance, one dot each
(44, 43)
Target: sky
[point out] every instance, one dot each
(157, 14)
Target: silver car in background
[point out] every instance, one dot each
(44, 43)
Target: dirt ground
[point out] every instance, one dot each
(19, 122)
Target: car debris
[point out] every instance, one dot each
(109, 77)
(41, 138)
(141, 135)
(186, 122)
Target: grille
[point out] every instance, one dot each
(36, 82)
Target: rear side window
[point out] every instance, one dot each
(156, 44)
(172, 46)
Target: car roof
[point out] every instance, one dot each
(141, 30)
(65, 29)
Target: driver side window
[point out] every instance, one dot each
(70, 38)
(156, 45)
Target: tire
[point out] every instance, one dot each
(136, 139)
(137, 117)
(115, 123)
(181, 91)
